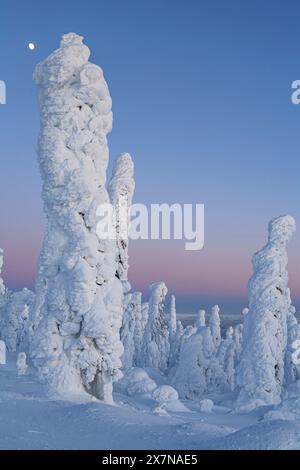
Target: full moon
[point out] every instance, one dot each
(31, 46)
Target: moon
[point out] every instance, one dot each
(31, 46)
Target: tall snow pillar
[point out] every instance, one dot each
(261, 370)
(78, 309)
(121, 189)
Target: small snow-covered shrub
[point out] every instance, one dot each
(206, 405)
(21, 363)
(2, 353)
(165, 393)
(279, 414)
(136, 381)
(167, 399)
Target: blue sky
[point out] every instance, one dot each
(201, 99)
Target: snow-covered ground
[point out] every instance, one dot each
(31, 420)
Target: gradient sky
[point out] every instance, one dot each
(201, 99)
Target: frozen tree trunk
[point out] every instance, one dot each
(215, 325)
(261, 370)
(156, 338)
(78, 310)
(121, 188)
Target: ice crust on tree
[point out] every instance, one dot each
(78, 310)
(261, 370)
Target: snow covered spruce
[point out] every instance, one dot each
(79, 306)
(261, 370)
(15, 310)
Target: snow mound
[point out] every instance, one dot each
(267, 435)
(167, 399)
(165, 393)
(136, 381)
(206, 406)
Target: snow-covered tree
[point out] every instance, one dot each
(174, 338)
(198, 370)
(200, 321)
(226, 358)
(78, 311)
(172, 318)
(215, 325)
(140, 324)
(2, 352)
(230, 369)
(21, 363)
(121, 188)
(261, 370)
(132, 329)
(2, 287)
(127, 331)
(292, 368)
(189, 377)
(4, 295)
(140, 327)
(175, 347)
(15, 322)
(238, 342)
(156, 345)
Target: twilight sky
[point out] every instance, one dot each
(201, 99)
